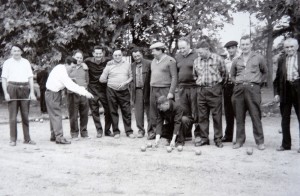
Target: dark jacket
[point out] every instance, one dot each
(146, 77)
(281, 77)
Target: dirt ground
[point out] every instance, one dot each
(109, 166)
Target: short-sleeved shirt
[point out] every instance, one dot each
(17, 70)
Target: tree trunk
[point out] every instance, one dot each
(270, 40)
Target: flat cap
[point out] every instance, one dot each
(230, 44)
(203, 44)
(158, 45)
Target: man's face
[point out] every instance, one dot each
(78, 56)
(290, 48)
(184, 48)
(164, 106)
(137, 56)
(156, 53)
(117, 56)
(203, 52)
(246, 45)
(98, 54)
(232, 50)
(16, 52)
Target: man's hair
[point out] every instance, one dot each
(134, 50)
(292, 41)
(162, 49)
(18, 46)
(69, 60)
(99, 48)
(185, 39)
(245, 37)
(161, 100)
(77, 51)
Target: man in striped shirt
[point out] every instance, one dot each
(209, 72)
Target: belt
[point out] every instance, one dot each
(19, 83)
(247, 83)
(53, 91)
(211, 85)
(139, 87)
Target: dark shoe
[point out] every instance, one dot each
(11, 143)
(109, 134)
(188, 138)
(219, 144)
(131, 136)
(29, 142)
(63, 141)
(151, 136)
(179, 144)
(226, 139)
(261, 147)
(140, 135)
(99, 135)
(281, 148)
(52, 139)
(237, 145)
(202, 143)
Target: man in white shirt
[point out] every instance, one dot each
(58, 80)
(17, 84)
(117, 74)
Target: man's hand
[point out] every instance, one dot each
(32, 96)
(277, 98)
(89, 95)
(7, 97)
(121, 85)
(170, 96)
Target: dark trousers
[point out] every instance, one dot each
(139, 108)
(42, 100)
(155, 93)
(119, 99)
(78, 104)
(18, 90)
(247, 97)
(54, 107)
(292, 99)
(209, 99)
(228, 109)
(99, 93)
(188, 101)
(184, 131)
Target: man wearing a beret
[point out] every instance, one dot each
(163, 80)
(248, 72)
(231, 48)
(209, 72)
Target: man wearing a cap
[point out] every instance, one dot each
(227, 92)
(177, 123)
(209, 72)
(248, 72)
(117, 74)
(187, 88)
(17, 84)
(163, 80)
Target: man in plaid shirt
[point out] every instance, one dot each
(209, 72)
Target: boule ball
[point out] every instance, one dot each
(249, 151)
(198, 152)
(149, 145)
(143, 148)
(169, 149)
(179, 148)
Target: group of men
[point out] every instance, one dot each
(202, 79)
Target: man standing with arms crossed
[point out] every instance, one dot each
(140, 90)
(17, 84)
(227, 92)
(248, 72)
(187, 90)
(163, 80)
(96, 65)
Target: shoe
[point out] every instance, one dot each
(99, 135)
(85, 136)
(261, 147)
(151, 136)
(75, 138)
(237, 146)
(52, 139)
(30, 142)
(109, 134)
(299, 150)
(281, 148)
(117, 136)
(219, 144)
(188, 138)
(202, 143)
(164, 142)
(197, 139)
(140, 135)
(11, 143)
(226, 139)
(131, 136)
(63, 141)
(179, 144)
